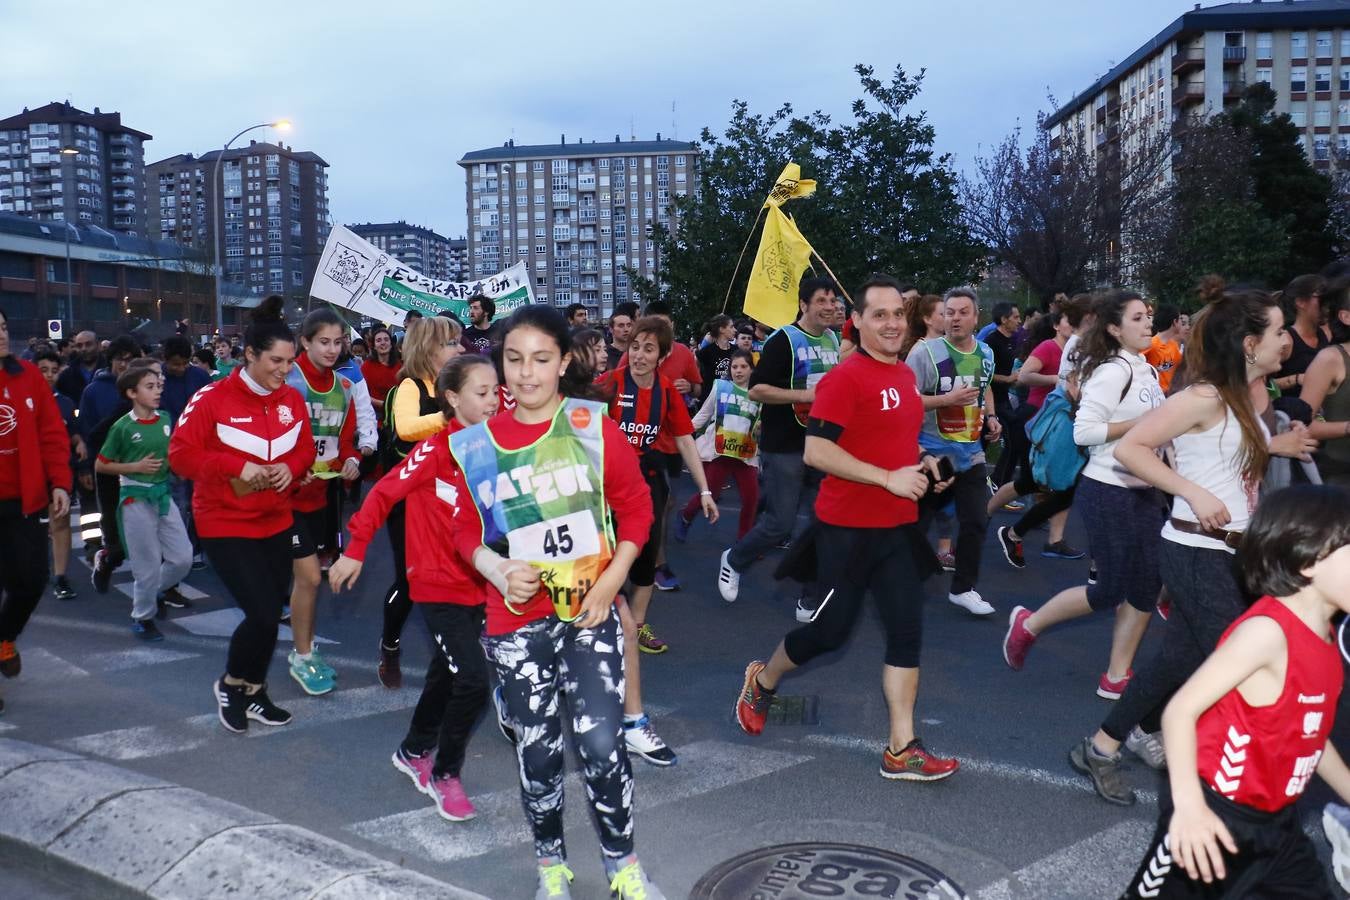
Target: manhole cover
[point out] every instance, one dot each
(811, 870)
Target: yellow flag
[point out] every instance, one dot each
(790, 186)
(783, 255)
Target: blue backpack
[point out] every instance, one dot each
(1056, 460)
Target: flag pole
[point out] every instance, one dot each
(737, 270)
(833, 277)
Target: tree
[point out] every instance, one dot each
(884, 202)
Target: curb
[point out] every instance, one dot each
(147, 837)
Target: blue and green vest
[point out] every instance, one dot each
(327, 413)
(812, 357)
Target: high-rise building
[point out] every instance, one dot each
(579, 214)
(272, 219)
(58, 162)
(414, 246)
(457, 259)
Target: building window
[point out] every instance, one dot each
(1322, 113)
(1265, 76)
(1265, 45)
(604, 163)
(1298, 79)
(1321, 149)
(1298, 45)
(538, 165)
(559, 167)
(1345, 44)
(1324, 45)
(1343, 115)
(1298, 112)
(1322, 80)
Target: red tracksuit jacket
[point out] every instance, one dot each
(27, 405)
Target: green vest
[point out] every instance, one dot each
(544, 504)
(735, 416)
(812, 357)
(327, 413)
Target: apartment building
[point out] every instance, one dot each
(60, 163)
(416, 247)
(270, 218)
(457, 259)
(578, 214)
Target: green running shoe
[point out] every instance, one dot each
(308, 676)
(319, 663)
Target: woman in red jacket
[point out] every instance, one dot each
(34, 474)
(449, 592)
(243, 440)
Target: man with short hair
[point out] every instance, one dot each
(620, 332)
(84, 362)
(181, 382)
(577, 316)
(954, 373)
(1007, 320)
(1171, 327)
(100, 403)
(794, 359)
(481, 334)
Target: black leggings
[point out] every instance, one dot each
(109, 490)
(397, 604)
(257, 573)
(1050, 505)
(852, 562)
(23, 566)
(456, 689)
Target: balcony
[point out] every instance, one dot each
(124, 207)
(115, 152)
(124, 194)
(1234, 56)
(125, 180)
(588, 265)
(1186, 94)
(1188, 59)
(121, 165)
(1234, 88)
(122, 140)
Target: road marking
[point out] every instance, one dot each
(1097, 866)
(120, 660)
(47, 665)
(223, 622)
(1007, 771)
(188, 734)
(184, 588)
(704, 766)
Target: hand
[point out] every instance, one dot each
(522, 581)
(993, 427)
(279, 476)
(934, 471)
(683, 386)
(964, 395)
(351, 469)
(598, 602)
(909, 482)
(1194, 838)
(147, 465)
(1295, 443)
(367, 451)
(255, 475)
(87, 481)
(81, 451)
(343, 573)
(709, 508)
(60, 505)
(1208, 509)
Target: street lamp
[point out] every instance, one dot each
(218, 215)
(65, 222)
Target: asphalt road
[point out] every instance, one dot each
(1015, 822)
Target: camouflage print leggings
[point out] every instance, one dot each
(533, 664)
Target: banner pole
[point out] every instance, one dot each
(737, 270)
(832, 276)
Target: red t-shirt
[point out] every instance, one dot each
(1049, 353)
(646, 414)
(880, 411)
(679, 363)
(380, 379)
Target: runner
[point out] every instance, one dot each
(714, 359)
(330, 406)
(99, 404)
(244, 440)
(863, 434)
(1247, 731)
(620, 332)
(1007, 321)
(551, 623)
(449, 593)
(726, 444)
(49, 364)
(1326, 389)
(1302, 306)
(1171, 328)
(380, 370)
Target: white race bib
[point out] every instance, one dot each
(568, 537)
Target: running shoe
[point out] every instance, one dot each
(173, 599)
(417, 768)
(1092, 574)
(198, 562)
(262, 709)
(1018, 640)
(390, 672)
(61, 588)
(1147, 746)
(648, 642)
(805, 610)
(947, 561)
(1336, 825)
(972, 603)
(728, 579)
(1061, 550)
(1165, 606)
(1014, 506)
(1111, 689)
(503, 720)
(308, 676)
(231, 706)
(643, 740)
(1104, 772)
(631, 883)
(666, 579)
(915, 763)
(146, 630)
(10, 662)
(2, 705)
(682, 526)
(320, 664)
(752, 706)
(989, 483)
(553, 882)
(1012, 548)
(285, 614)
(101, 576)
(451, 801)
(784, 544)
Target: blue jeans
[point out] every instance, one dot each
(787, 482)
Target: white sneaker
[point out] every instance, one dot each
(972, 603)
(804, 613)
(643, 741)
(1336, 824)
(728, 579)
(1148, 747)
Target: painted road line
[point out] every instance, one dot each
(705, 766)
(43, 664)
(188, 734)
(184, 588)
(1003, 770)
(223, 622)
(1097, 866)
(120, 660)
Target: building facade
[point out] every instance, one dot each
(457, 260)
(578, 215)
(270, 220)
(60, 163)
(416, 247)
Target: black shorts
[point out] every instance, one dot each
(309, 533)
(674, 466)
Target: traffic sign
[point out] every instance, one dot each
(54, 329)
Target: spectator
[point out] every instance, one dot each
(80, 371)
(482, 334)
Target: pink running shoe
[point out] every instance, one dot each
(1018, 640)
(1111, 689)
(451, 801)
(418, 768)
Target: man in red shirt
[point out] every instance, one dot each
(863, 433)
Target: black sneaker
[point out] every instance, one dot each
(1012, 550)
(2, 705)
(61, 588)
(231, 704)
(262, 709)
(198, 562)
(1092, 574)
(101, 577)
(1104, 772)
(146, 630)
(174, 600)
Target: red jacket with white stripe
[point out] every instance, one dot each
(28, 407)
(436, 574)
(225, 425)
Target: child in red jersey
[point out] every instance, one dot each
(1246, 733)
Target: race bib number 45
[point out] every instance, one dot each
(568, 537)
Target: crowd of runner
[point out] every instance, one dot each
(529, 469)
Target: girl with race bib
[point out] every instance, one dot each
(555, 512)
(727, 445)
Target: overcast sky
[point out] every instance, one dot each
(391, 102)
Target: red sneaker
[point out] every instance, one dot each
(10, 662)
(1018, 640)
(1111, 689)
(915, 763)
(752, 706)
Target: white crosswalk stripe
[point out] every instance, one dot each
(139, 657)
(184, 588)
(1097, 866)
(705, 766)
